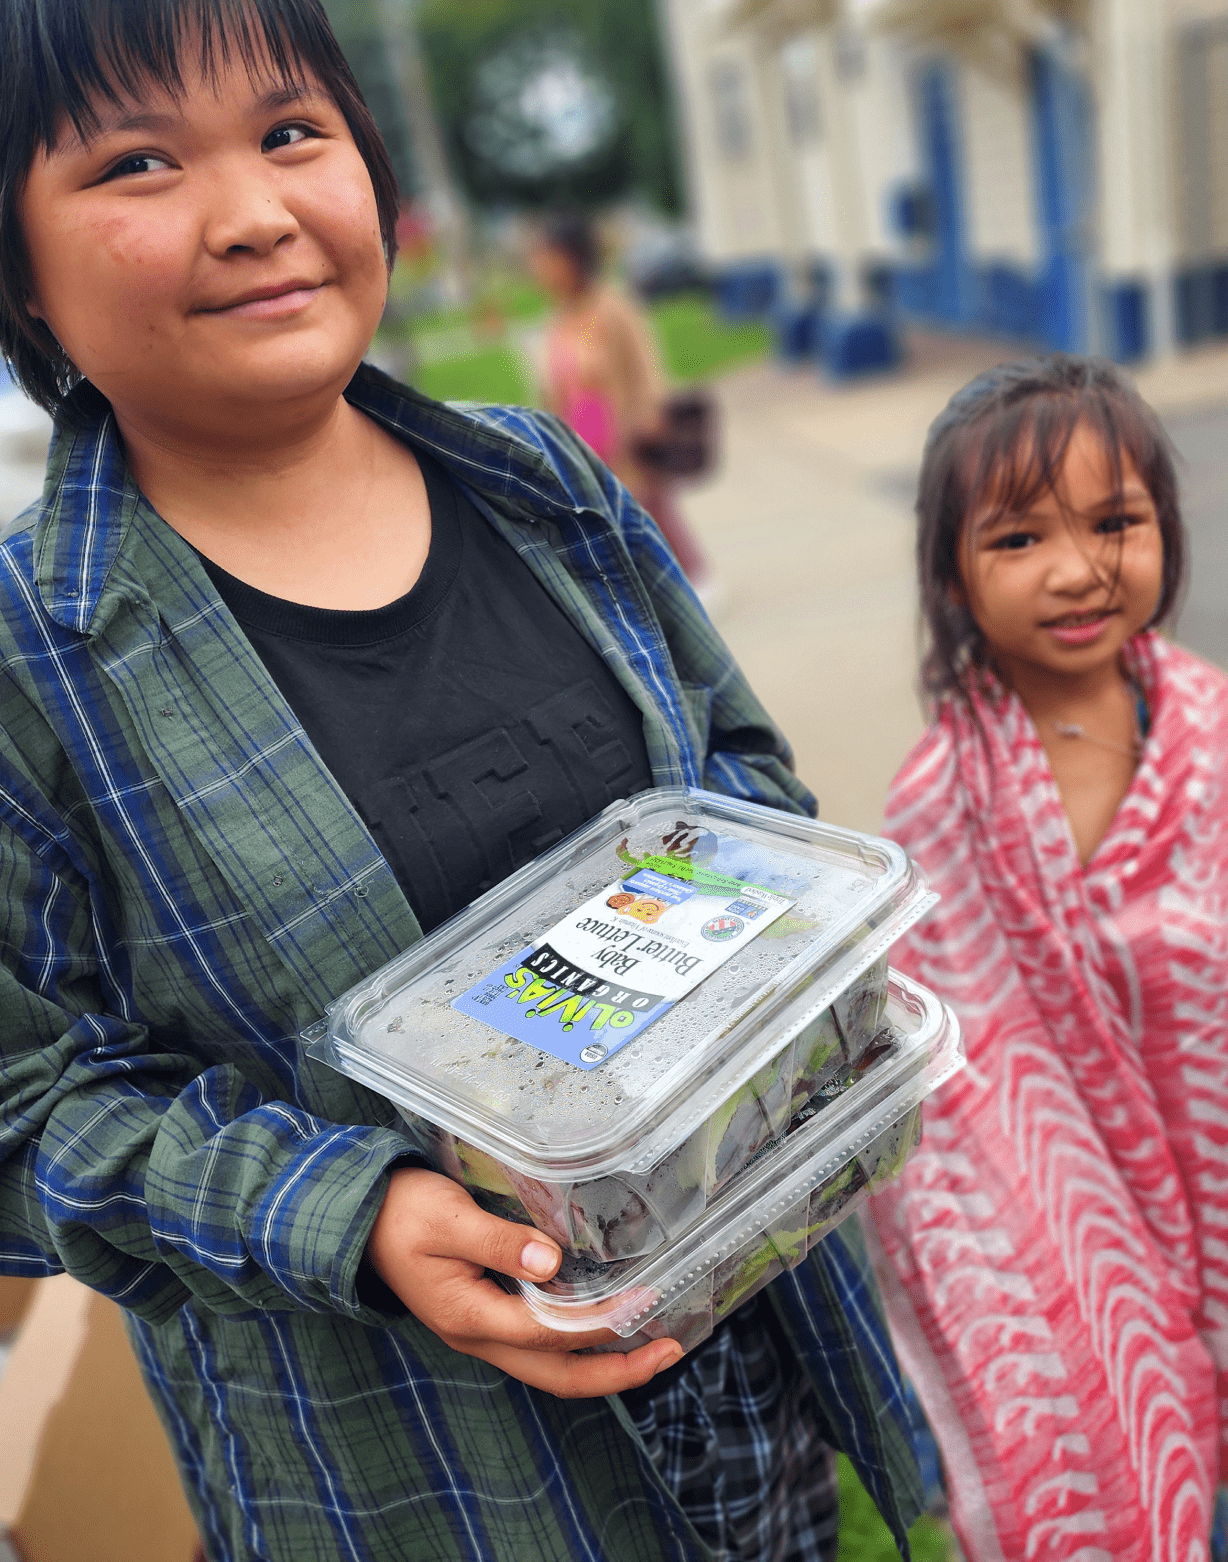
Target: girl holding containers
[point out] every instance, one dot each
(1060, 1290)
(296, 663)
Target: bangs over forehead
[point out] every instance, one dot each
(1014, 456)
(64, 63)
(83, 56)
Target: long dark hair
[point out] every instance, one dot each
(61, 59)
(1005, 434)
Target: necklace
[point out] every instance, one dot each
(1072, 729)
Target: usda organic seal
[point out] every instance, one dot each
(593, 1053)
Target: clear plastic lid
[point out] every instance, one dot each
(848, 896)
(628, 1296)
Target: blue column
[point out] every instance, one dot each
(1061, 114)
(952, 294)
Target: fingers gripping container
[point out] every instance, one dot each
(774, 1212)
(617, 1159)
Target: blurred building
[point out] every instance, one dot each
(1052, 170)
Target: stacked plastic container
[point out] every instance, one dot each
(683, 1136)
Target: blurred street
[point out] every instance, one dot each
(809, 525)
(1202, 441)
(23, 451)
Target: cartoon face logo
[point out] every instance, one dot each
(646, 909)
(620, 901)
(690, 842)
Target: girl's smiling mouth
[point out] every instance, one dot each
(1080, 628)
(272, 302)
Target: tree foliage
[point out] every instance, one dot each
(550, 102)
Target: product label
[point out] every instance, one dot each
(620, 961)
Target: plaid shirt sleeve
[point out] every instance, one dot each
(144, 1162)
(744, 753)
(149, 1178)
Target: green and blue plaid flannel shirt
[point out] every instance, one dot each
(186, 887)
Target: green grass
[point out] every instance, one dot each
(519, 298)
(865, 1538)
(515, 298)
(494, 374)
(697, 342)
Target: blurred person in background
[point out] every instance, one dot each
(604, 378)
(1058, 1281)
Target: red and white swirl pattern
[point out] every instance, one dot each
(1058, 1247)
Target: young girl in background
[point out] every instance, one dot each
(603, 375)
(1058, 1275)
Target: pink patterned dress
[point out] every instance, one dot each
(1055, 1257)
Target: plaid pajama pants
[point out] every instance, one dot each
(734, 1436)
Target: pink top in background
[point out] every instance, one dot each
(589, 413)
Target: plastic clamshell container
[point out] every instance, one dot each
(617, 1160)
(798, 1190)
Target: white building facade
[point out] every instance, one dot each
(1054, 171)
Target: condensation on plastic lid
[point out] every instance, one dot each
(624, 1296)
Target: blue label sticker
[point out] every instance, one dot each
(553, 1005)
(674, 892)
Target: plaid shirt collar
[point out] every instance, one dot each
(90, 499)
(107, 567)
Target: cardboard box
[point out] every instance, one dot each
(86, 1474)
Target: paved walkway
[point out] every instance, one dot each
(23, 450)
(810, 528)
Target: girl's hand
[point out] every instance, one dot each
(432, 1245)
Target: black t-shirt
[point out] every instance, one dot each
(469, 722)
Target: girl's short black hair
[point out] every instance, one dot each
(1004, 437)
(61, 59)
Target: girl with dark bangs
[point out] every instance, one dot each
(295, 664)
(1058, 1276)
